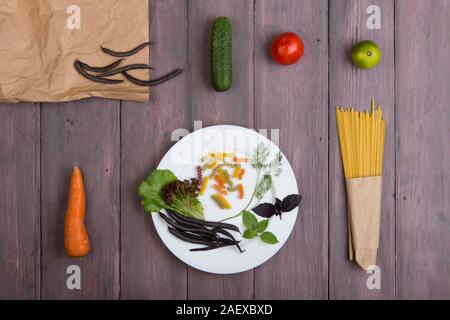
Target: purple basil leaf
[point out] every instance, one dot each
(278, 205)
(291, 202)
(265, 210)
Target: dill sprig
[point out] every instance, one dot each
(263, 186)
(275, 166)
(266, 171)
(269, 169)
(259, 157)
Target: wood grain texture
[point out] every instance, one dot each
(149, 270)
(350, 86)
(423, 152)
(293, 99)
(19, 201)
(117, 144)
(232, 107)
(84, 133)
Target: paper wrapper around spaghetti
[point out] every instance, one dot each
(364, 212)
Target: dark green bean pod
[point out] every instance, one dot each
(208, 223)
(220, 245)
(189, 238)
(137, 66)
(107, 68)
(229, 235)
(83, 72)
(126, 53)
(185, 228)
(154, 82)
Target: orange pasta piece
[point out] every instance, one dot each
(225, 176)
(220, 189)
(240, 189)
(219, 180)
(240, 160)
(241, 173)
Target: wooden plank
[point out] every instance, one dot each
(149, 270)
(350, 86)
(86, 134)
(294, 100)
(423, 152)
(19, 201)
(231, 107)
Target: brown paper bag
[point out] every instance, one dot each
(40, 40)
(364, 213)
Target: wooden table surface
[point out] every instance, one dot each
(117, 143)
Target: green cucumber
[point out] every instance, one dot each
(221, 60)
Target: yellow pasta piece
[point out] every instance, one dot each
(221, 156)
(223, 173)
(236, 172)
(221, 201)
(212, 165)
(204, 185)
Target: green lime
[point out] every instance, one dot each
(366, 54)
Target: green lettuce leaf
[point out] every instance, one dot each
(150, 190)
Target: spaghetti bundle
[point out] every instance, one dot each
(361, 135)
(361, 138)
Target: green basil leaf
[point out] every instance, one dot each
(262, 225)
(249, 219)
(269, 237)
(249, 234)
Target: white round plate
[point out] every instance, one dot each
(182, 160)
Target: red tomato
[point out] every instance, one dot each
(287, 48)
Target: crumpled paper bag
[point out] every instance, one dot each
(364, 214)
(40, 40)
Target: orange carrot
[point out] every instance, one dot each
(76, 239)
